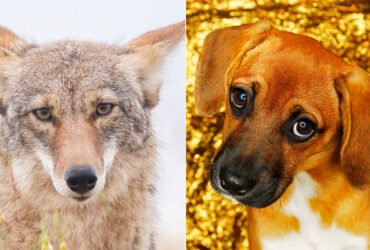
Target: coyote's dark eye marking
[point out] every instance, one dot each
(43, 114)
(104, 109)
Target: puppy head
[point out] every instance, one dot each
(282, 109)
(68, 108)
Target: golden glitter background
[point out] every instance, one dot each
(342, 26)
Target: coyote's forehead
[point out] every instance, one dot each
(71, 70)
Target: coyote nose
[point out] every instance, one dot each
(81, 179)
(235, 184)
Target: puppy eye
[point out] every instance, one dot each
(103, 109)
(303, 129)
(238, 98)
(43, 114)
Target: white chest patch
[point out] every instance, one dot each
(312, 234)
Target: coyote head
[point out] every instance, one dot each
(70, 107)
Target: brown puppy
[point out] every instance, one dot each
(295, 138)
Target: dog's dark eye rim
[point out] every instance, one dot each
(43, 114)
(302, 129)
(242, 100)
(238, 97)
(103, 109)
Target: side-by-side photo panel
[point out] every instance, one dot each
(185, 124)
(278, 123)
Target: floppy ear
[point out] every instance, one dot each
(222, 53)
(354, 92)
(146, 53)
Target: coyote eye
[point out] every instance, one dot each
(103, 109)
(43, 114)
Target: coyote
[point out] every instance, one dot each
(78, 152)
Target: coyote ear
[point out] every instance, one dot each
(354, 92)
(11, 46)
(222, 53)
(10, 43)
(146, 54)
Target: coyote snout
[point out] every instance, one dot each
(78, 162)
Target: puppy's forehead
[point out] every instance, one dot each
(290, 66)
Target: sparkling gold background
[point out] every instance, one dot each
(342, 26)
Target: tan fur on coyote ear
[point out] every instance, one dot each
(10, 43)
(354, 92)
(11, 47)
(222, 53)
(146, 54)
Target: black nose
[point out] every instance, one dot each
(81, 179)
(234, 183)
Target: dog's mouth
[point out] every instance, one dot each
(263, 194)
(264, 191)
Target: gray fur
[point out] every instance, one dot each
(71, 78)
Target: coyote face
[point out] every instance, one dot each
(70, 107)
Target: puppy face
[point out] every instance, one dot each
(282, 114)
(277, 119)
